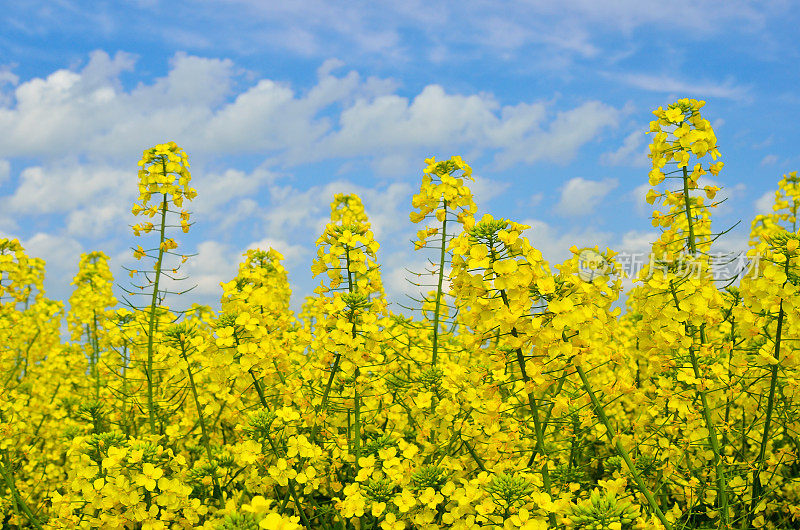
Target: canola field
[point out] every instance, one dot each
(516, 395)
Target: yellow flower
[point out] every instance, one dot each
(149, 476)
(674, 115)
(391, 523)
(405, 501)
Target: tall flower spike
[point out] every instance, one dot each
(160, 165)
(89, 313)
(19, 275)
(443, 190)
(442, 193)
(164, 171)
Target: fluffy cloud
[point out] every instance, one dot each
(5, 170)
(88, 113)
(61, 256)
(560, 141)
(215, 262)
(580, 196)
(293, 253)
(554, 243)
(727, 89)
(64, 185)
(630, 153)
(293, 211)
(763, 205)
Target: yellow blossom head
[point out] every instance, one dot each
(161, 166)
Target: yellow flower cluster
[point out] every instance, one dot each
(517, 396)
(160, 165)
(443, 191)
(20, 276)
(687, 133)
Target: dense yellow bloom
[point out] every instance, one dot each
(543, 406)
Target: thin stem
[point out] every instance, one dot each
(757, 486)
(689, 218)
(534, 408)
(338, 355)
(621, 451)
(153, 305)
(201, 418)
(259, 391)
(94, 341)
(719, 465)
(442, 251)
(19, 502)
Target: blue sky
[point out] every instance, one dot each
(280, 105)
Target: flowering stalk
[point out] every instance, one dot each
(442, 188)
(179, 336)
(785, 246)
(160, 165)
(489, 279)
(152, 319)
(620, 449)
(691, 135)
(346, 253)
(88, 315)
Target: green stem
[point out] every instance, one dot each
(19, 503)
(719, 465)
(201, 418)
(442, 251)
(327, 390)
(758, 489)
(94, 341)
(621, 451)
(357, 422)
(153, 305)
(338, 355)
(534, 408)
(259, 391)
(474, 455)
(689, 218)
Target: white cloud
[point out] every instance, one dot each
(8, 77)
(763, 205)
(629, 153)
(569, 131)
(216, 189)
(636, 242)
(62, 186)
(88, 113)
(61, 255)
(5, 170)
(485, 189)
(293, 253)
(728, 89)
(769, 160)
(639, 198)
(96, 221)
(554, 244)
(580, 196)
(214, 263)
(387, 209)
